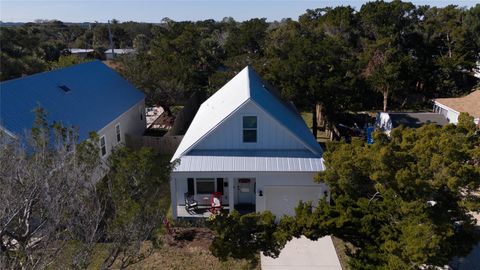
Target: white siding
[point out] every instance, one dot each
(130, 123)
(270, 134)
(451, 115)
(264, 182)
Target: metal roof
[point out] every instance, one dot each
(250, 161)
(245, 86)
(120, 51)
(79, 50)
(96, 96)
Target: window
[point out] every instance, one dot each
(103, 146)
(205, 185)
(117, 131)
(249, 129)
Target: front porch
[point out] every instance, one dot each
(235, 193)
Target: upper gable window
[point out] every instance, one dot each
(249, 129)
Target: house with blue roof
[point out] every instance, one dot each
(89, 97)
(247, 150)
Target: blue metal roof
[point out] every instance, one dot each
(87, 96)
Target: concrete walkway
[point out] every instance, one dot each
(304, 254)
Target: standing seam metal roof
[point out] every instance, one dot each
(245, 86)
(250, 161)
(97, 96)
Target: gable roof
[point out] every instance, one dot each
(469, 103)
(245, 86)
(87, 96)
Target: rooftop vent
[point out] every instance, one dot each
(65, 88)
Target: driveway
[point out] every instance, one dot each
(304, 254)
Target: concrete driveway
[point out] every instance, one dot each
(304, 254)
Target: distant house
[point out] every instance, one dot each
(387, 121)
(82, 53)
(89, 96)
(252, 148)
(109, 55)
(452, 107)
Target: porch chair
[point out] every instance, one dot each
(216, 203)
(190, 204)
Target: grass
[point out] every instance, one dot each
(185, 254)
(340, 247)
(308, 118)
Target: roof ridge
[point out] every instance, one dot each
(50, 71)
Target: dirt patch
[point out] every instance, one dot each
(190, 237)
(187, 248)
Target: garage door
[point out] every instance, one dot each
(282, 200)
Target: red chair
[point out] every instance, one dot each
(216, 203)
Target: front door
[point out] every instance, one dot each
(246, 191)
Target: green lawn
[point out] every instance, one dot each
(307, 117)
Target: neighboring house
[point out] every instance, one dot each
(89, 97)
(253, 148)
(82, 53)
(452, 107)
(388, 121)
(109, 55)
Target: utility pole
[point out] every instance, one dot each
(110, 36)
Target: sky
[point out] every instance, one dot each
(179, 10)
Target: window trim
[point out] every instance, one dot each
(205, 179)
(104, 145)
(256, 129)
(118, 133)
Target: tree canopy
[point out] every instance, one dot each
(402, 203)
(385, 55)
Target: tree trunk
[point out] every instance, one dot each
(320, 120)
(314, 121)
(385, 98)
(167, 110)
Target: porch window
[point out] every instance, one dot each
(249, 129)
(103, 146)
(205, 185)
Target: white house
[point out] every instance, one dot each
(253, 148)
(79, 52)
(109, 55)
(90, 97)
(452, 107)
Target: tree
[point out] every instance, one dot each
(403, 202)
(309, 64)
(132, 191)
(253, 232)
(67, 60)
(180, 62)
(386, 26)
(48, 196)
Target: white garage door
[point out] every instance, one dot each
(282, 200)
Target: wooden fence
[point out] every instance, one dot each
(166, 145)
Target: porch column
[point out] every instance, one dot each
(230, 194)
(173, 195)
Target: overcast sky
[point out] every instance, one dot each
(156, 10)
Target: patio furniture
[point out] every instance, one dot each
(216, 203)
(190, 203)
